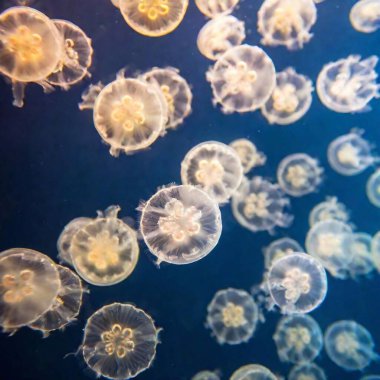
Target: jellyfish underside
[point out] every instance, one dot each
(249, 156)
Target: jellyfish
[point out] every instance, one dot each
(206, 375)
(30, 49)
(286, 22)
(214, 167)
(212, 8)
(253, 372)
(349, 345)
(330, 209)
(219, 35)
(298, 339)
(116, 3)
(297, 283)
(259, 205)
(351, 154)
(280, 248)
(242, 79)
(299, 174)
(373, 188)
(249, 156)
(180, 224)
(29, 284)
(365, 16)
(290, 99)
(119, 341)
(375, 250)
(349, 84)
(307, 371)
(370, 377)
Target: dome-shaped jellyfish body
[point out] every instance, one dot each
(206, 375)
(286, 22)
(349, 84)
(375, 249)
(214, 167)
(290, 99)
(29, 284)
(253, 372)
(349, 345)
(280, 248)
(259, 205)
(249, 156)
(298, 339)
(330, 209)
(299, 174)
(232, 316)
(119, 341)
(297, 283)
(373, 188)
(242, 79)
(153, 18)
(307, 371)
(219, 35)
(105, 251)
(212, 8)
(30, 48)
(365, 16)
(180, 224)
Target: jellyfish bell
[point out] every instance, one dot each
(206, 375)
(330, 209)
(253, 372)
(116, 3)
(373, 188)
(211, 8)
(365, 16)
(249, 156)
(307, 371)
(280, 248)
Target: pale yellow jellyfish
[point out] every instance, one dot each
(280, 248)
(330, 209)
(116, 3)
(307, 371)
(212, 8)
(242, 79)
(30, 49)
(153, 18)
(253, 372)
(206, 375)
(365, 16)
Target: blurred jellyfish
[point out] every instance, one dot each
(349, 345)
(375, 250)
(249, 156)
(116, 3)
(280, 248)
(299, 174)
(349, 84)
(290, 99)
(253, 372)
(242, 79)
(297, 283)
(219, 35)
(119, 341)
(373, 188)
(365, 16)
(212, 8)
(180, 224)
(206, 375)
(370, 377)
(330, 209)
(307, 371)
(214, 167)
(298, 339)
(260, 205)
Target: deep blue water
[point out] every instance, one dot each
(54, 167)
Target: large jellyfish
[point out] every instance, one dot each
(119, 341)
(249, 156)
(214, 167)
(253, 372)
(307, 371)
(212, 8)
(373, 188)
(180, 224)
(206, 375)
(330, 209)
(365, 16)
(242, 79)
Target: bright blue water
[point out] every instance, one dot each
(54, 167)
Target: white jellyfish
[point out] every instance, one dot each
(206, 375)
(373, 188)
(212, 8)
(280, 248)
(249, 156)
(375, 250)
(330, 209)
(365, 16)
(253, 372)
(307, 371)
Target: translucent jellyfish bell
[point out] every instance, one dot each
(180, 224)
(206, 375)
(211, 8)
(249, 156)
(349, 84)
(373, 188)
(253, 372)
(232, 316)
(119, 341)
(330, 209)
(365, 16)
(375, 249)
(214, 167)
(242, 79)
(307, 371)
(280, 248)
(297, 283)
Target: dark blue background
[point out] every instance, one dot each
(54, 167)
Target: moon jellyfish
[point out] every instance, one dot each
(119, 341)
(350, 154)
(259, 205)
(242, 79)
(375, 249)
(29, 284)
(286, 22)
(290, 99)
(297, 283)
(180, 224)
(330, 209)
(206, 375)
(349, 345)
(373, 188)
(214, 167)
(232, 316)
(220, 35)
(299, 174)
(153, 18)
(211, 8)
(280, 248)
(253, 372)
(349, 84)
(365, 16)
(298, 339)
(105, 251)
(307, 371)
(249, 156)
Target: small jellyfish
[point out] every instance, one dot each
(259, 205)
(206, 375)
(119, 341)
(365, 16)
(349, 84)
(298, 339)
(180, 224)
(349, 345)
(153, 18)
(330, 209)
(212, 8)
(242, 79)
(214, 167)
(297, 283)
(220, 35)
(253, 372)
(373, 188)
(280, 248)
(299, 174)
(307, 371)
(375, 249)
(290, 99)
(249, 156)
(286, 22)
(232, 316)
(350, 154)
